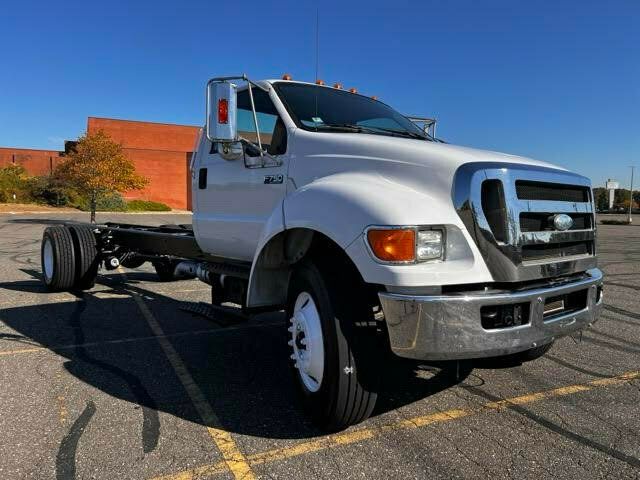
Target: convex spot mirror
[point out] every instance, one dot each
(222, 112)
(231, 151)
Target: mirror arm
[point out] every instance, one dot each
(255, 118)
(238, 77)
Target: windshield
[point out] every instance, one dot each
(319, 108)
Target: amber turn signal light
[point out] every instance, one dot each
(393, 245)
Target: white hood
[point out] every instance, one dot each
(419, 165)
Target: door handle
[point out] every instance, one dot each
(202, 178)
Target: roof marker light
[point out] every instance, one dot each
(286, 76)
(337, 85)
(319, 82)
(353, 90)
(374, 97)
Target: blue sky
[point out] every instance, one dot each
(554, 80)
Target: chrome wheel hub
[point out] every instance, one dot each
(307, 342)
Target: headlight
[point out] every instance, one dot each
(429, 245)
(406, 244)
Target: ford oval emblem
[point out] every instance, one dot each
(563, 222)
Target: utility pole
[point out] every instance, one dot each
(631, 195)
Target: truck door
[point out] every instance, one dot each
(233, 201)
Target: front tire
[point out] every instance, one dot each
(58, 259)
(334, 347)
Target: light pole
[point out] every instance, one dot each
(631, 195)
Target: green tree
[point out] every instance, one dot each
(602, 199)
(621, 198)
(13, 181)
(98, 167)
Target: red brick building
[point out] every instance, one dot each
(36, 162)
(161, 153)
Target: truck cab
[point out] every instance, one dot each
(452, 252)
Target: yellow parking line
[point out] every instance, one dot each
(62, 409)
(356, 436)
(21, 350)
(234, 459)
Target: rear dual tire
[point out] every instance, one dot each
(86, 253)
(58, 259)
(69, 258)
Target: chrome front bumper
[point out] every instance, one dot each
(447, 327)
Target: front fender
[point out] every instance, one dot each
(343, 205)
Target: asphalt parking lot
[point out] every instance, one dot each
(123, 381)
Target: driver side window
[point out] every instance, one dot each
(273, 133)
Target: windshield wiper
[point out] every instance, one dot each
(349, 127)
(405, 133)
(344, 127)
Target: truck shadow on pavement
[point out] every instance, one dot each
(243, 372)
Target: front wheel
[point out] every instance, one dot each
(334, 347)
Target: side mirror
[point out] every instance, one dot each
(222, 112)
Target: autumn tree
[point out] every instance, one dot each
(97, 166)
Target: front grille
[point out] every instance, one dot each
(509, 210)
(529, 190)
(540, 222)
(555, 250)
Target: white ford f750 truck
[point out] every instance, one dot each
(370, 233)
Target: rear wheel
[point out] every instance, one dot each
(333, 344)
(86, 253)
(58, 258)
